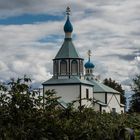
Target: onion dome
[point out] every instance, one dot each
(68, 26)
(89, 65)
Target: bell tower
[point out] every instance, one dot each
(67, 62)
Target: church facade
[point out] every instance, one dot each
(71, 82)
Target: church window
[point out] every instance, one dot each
(87, 93)
(63, 67)
(91, 71)
(81, 66)
(55, 67)
(114, 110)
(74, 67)
(87, 71)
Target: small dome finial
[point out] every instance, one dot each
(89, 54)
(68, 10)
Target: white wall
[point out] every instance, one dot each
(96, 107)
(85, 102)
(68, 93)
(113, 101)
(99, 96)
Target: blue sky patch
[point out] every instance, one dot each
(50, 38)
(29, 19)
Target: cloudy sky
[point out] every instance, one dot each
(31, 33)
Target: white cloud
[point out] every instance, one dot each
(109, 28)
(22, 53)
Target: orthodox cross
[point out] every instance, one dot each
(89, 54)
(68, 11)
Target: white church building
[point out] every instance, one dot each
(71, 82)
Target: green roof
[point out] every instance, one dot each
(67, 50)
(71, 80)
(101, 88)
(64, 104)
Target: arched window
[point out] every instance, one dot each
(87, 71)
(91, 71)
(63, 67)
(74, 67)
(81, 66)
(55, 67)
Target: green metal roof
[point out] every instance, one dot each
(64, 104)
(67, 50)
(71, 80)
(101, 88)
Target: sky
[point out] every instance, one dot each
(31, 33)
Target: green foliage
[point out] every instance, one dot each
(135, 101)
(25, 115)
(113, 84)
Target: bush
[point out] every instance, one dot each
(24, 115)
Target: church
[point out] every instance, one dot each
(73, 80)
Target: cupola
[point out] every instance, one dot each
(68, 28)
(89, 66)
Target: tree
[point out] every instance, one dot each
(113, 84)
(135, 99)
(26, 116)
(22, 115)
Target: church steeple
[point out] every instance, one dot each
(68, 26)
(68, 49)
(67, 61)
